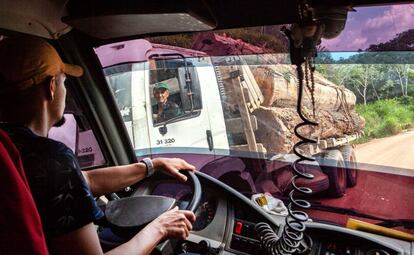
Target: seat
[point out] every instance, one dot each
(20, 225)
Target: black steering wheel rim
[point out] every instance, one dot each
(168, 246)
(197, 192)
(196, 196)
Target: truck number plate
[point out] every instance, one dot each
(165, 141)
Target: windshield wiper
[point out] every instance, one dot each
(406, 223)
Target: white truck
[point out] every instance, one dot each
(216, 94)
(132, 84)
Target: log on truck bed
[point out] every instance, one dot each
(276, 126)
(279, 86)
(334, 109)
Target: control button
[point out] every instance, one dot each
(238, 227)
(246, 230)
(235, 243)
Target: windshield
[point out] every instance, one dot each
(380, 28)
(212, 95)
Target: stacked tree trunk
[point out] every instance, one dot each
(334, 105)
(334, 108)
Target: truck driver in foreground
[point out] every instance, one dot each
(32, 101)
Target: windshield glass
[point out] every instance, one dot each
(380, 28)
(211, 95)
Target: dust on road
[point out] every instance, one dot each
(395, 151)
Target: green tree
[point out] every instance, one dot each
(403, 41)
(361, 78)
(403, 72)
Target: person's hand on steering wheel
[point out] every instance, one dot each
(172, 166)
(174, 223)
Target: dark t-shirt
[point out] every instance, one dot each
(20, 225)
(169, 111)
(61, 194)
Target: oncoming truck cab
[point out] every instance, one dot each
(298, 116)
(135, 67)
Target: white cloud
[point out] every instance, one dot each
(362, 31)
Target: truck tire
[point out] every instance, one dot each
(351, 164)
(333, 165)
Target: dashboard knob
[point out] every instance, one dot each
(204, 246)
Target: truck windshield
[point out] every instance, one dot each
(246, 92)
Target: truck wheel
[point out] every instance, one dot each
(351, 165)
(333, 165)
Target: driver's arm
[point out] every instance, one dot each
(85, 241)
(111, 179)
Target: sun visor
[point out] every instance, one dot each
(110, 19)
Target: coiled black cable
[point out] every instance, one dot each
(293, 232)
(268, 238)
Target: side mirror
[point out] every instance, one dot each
(163, 129)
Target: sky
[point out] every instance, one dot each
(372, 25)
(344, 55)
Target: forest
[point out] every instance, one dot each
(382, 78)
(380, 72)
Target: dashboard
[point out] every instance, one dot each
(226, 222)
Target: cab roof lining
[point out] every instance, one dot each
(44, 17)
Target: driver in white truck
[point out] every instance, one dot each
(164, 109)
(32, 101)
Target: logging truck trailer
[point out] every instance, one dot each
(218, 95)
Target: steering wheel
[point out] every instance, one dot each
(168, 246)
(195, 200)
(116, 214)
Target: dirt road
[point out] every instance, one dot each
(386, 189)
(396, 151)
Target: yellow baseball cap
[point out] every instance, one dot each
(28, 61)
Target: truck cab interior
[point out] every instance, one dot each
(231, 192)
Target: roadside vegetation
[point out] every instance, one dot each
(382, 78)
(268, 37)
(386, 117)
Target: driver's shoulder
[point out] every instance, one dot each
(171, 105)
